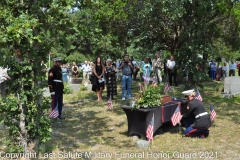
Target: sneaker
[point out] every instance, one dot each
(123, 99)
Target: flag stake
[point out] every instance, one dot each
(153, 127)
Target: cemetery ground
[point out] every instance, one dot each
(90, 128)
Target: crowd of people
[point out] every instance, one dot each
(106, 74)
(216, 71)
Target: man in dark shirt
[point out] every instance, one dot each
(56, 86)
(127, 70)
(197, 120)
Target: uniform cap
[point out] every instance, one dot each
(188, 92)
(58, 59)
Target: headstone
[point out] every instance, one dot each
(142, 144)
(76, 80)
(75, 87)
(89, 87)
(231, 86)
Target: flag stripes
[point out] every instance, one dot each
(166, 87)
(54, 113)
(176, 117)
(198, 95)
(149, 131)
(213, 114)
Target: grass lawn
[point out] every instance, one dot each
(90, 127)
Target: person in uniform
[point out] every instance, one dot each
(56, 86)
(197, 120)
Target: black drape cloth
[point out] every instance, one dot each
(167, 111)
(138, 120)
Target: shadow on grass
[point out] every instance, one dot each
(77, 128)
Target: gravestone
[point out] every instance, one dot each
(231, 87)
(75, 80)
(142, 144)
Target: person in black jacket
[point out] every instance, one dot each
(55, 84)
(197, 120)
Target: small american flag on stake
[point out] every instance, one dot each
(149, 131)
(141, 87)
(176, 117)
(54, 113)
(166, 87)
(213, 114)
(198, 95)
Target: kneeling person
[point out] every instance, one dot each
(197, 120)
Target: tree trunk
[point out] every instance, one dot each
(22, 125)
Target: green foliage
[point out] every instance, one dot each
(150, 97)
(36, 122)
(83, 88)
(67, 89)
(29, 30)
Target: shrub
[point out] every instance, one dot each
(83, 88)
(67, 89)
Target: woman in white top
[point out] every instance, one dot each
(172, 72)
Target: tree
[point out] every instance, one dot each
(27, 32)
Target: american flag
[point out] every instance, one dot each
(141, 87)
(154, 80)
(109, 104)
(213, 114)
(167, 87)
(176, 117)
(198, 95)
(146, 79)
(54, 113)
(149, 131)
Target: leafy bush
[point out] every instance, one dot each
(67, 89)
(148, 97)
(83, 88)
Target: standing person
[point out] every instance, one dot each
(3, 78)
(165, 71)
(118, 63)
(89, 70)
(213, 69)
(157, 67)
(55, 84)
(224, 70)
(111, 79)
(64, 73)
(119, 72)
(69, 71)
(135, 70)
(197, 120)
(85, 68)
(127, 67)
(238, 67)
(74, 70)
(219, 72)
(232, 69)
(172, 71)
(97, 79)
(147, 68)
